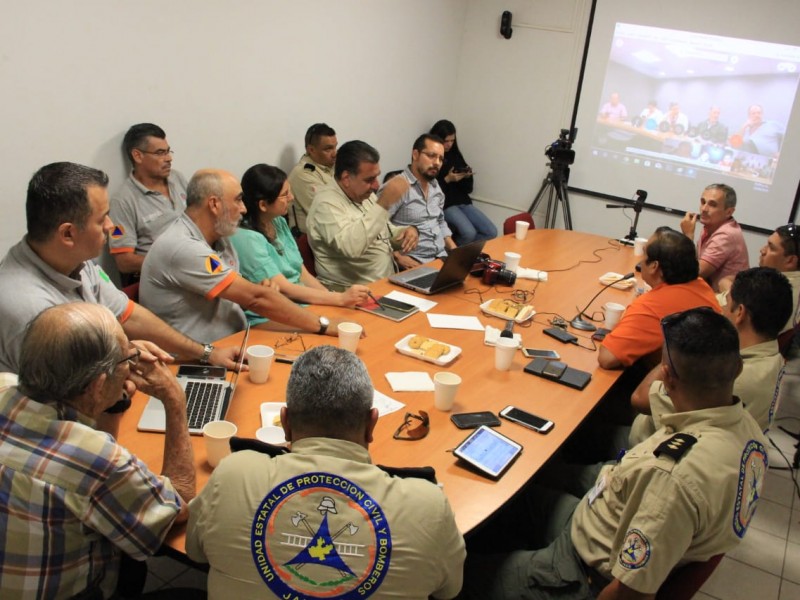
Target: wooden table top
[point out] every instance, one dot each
(473, 497)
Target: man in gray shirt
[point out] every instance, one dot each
(151, 198)
(67, 214)
(423, 204)
(191, 275)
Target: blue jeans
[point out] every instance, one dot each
(468, 224)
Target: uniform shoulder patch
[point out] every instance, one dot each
(117, 232)
(676, 446)
(213, 264)
(635, 552)
(309, 167)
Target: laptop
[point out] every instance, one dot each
(208, 396)
(456, 267)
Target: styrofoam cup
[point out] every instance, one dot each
(512, 261)
(445, 386)
(613, 313)
(217, 435)
(349, 334)
(259, 361)
(638, 246)
(504, 351)
(522, 230)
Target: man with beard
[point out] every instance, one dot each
(422, 206)
(191, 279)
(151, 198)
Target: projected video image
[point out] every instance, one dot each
(689, 103)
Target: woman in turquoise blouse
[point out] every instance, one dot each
(268, 254)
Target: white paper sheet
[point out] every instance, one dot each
(385, 404)
(454, 322)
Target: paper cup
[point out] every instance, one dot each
(504, 350)
(445, 386)
(259, 360)
(349, 334)
(217, 435)
(522, 230)
(512, 261)
(613, 314)
(638, 246)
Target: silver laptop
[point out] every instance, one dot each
(456, 267)
(208, 396)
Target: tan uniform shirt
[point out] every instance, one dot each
(794, 279)
(352, 242)
(306, 178)
(755, 386)
(648, 514)
(323, 519)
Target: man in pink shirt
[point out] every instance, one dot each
(721, 250)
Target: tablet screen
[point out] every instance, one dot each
(488, 450)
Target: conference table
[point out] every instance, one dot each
(574, 262)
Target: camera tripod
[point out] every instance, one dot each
(554, 187)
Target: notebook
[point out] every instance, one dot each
(456, 267)
(207, 399)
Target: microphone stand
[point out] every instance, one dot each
(629, 239)
(578, 322)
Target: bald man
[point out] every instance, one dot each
(191, 279)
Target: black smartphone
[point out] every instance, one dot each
(526, 419)
(537, 353)
(554, 369)
(396, 304)
(600, 334)
(472, 420)
(201, 371)
(561, 335)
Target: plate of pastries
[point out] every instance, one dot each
(508, 309)
(427, 349)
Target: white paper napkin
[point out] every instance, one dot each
(410, 381)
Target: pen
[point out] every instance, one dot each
(374, 299)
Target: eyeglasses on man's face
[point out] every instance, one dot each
(132, 360)
(413, 427)
(161, 153)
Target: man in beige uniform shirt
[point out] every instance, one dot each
(348, 225)
(313, 171)
(321, 520)
(758, 305)
(686, 494)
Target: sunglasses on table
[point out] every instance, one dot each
(413, 427)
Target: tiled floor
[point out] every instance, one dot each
(765, 566)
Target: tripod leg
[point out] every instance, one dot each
(565, 206)
(534, 205)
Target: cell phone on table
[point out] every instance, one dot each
(539, 353)
(471, 420)
(396, 304)
(526, 419)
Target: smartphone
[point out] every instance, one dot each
(201, 371)
(600, 334)
(526, 419)
(537, 353)
(554, 369)
(561, 335)
(396, 304)
(472, 420)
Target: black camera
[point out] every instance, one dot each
(560, 151)
(493, 275)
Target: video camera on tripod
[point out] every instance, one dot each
(560, 152)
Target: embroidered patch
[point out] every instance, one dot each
(751, 479)
(117, 232)
(342, 553)
(635, 550)
(213, 264)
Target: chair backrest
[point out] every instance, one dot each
(510, 224)
(307, 254)
(684, 582)
(132, 291)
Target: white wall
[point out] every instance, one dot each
(238, 82)
(233, 83)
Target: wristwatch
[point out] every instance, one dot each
(207, 350)
(324, 323)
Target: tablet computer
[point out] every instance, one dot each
(489, 452)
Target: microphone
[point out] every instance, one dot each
(508, 330)
(578, 322)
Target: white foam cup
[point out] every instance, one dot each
(522, 230)
(504, 350)
(512, 261)
(217, 435)
(349, 334)
(259, 361)
(445, 386)
(613, 313)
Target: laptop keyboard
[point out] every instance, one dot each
(202, 402)
(425, 281)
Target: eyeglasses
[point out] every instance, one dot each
(670, 321)
(414, 427)
(159, 153)
(432, 155)
(289, 340)
(132, 360)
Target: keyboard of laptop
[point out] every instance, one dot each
(425, 281)
(202, 400)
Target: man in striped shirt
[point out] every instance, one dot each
(73, 498)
